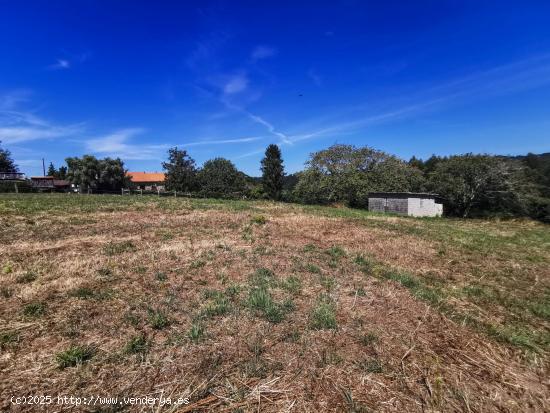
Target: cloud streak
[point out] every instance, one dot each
(236, 84)
(116, 144)
(262, 52)
(17, 125)
(223, 141)
(505, 79)
(60, 64)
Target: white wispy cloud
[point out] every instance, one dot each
(505, 79)
(69, 60)
(117, 144)
(60, 64)
(19, 125)
(236, 84)
(222, 141)
(315, 77)
(122, 143)
(248, 154)
(270, 128)
(262, 52)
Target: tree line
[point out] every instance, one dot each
(471, 185)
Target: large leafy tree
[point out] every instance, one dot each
(344, 173)
(181, 172)
(469, 181)
(6, 162)
(273, 172)
(91, 173)
(112, 175)
(219, 178)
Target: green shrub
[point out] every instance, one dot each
(75, 355)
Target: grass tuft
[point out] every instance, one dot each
(158, 319)
(258, 220)
(8, 339)
(36, 309)
(116, 248)
(26, 278)
(75, 355)
(197, 332)
(323, 315)
(137, 344)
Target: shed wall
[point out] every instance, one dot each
(395, 205)
(416, 207)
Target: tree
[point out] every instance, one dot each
(181, 172)
(52, 171)
(273, 172)
(219, 178)
(469, 181)
(344, 173)
(6, 162)
(62, 172)
(112, 175)
(90, 173)
(416, 162)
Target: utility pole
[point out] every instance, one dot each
(43, 167)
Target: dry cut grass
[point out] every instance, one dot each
(254, 306)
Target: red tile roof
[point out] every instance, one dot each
(146, 176)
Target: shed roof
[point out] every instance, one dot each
(146, 176)
(423, 195)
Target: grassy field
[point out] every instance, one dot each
(259, 306)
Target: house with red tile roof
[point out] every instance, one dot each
(148, 181)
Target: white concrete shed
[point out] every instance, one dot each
(415, 204)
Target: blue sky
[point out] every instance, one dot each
(131, 79)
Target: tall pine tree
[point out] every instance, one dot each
(273, 172)
(52, 171)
